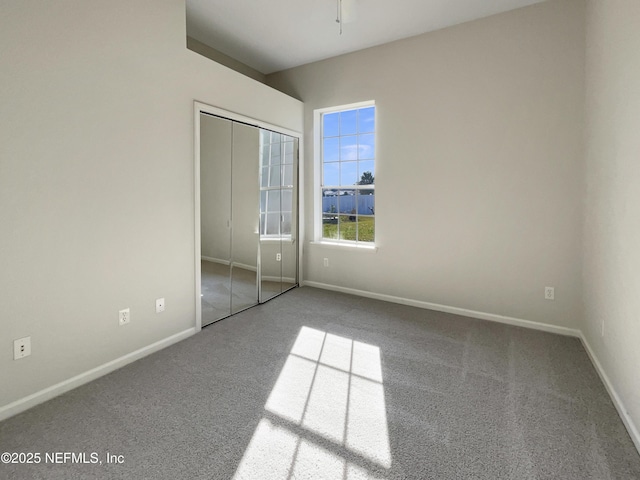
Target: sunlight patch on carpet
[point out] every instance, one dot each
(329, 388)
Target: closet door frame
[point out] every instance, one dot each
(198, 108)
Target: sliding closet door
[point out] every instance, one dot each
(215, 217)
(248, 215)
(278, 213)
(271, 154)
(289, 216)
(245, 200)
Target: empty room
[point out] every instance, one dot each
(328, 239)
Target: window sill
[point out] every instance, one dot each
(345, 246)
(276, 240)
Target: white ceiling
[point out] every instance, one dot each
(275, 35)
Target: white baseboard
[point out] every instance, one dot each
(215, 260)
(622, 411)
(615, 398)
(269, 278)
(53, 391)
(244, 266)
(445, 308)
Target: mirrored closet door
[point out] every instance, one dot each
(278, 213)
(244, 217)
(248, 215)
(215, 217)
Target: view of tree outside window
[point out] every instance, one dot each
(348, 175)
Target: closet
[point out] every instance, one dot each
(248, 215)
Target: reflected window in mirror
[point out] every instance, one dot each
(277, 153)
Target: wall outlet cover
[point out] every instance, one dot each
(549, 293)
(124, 316)
(21, 348)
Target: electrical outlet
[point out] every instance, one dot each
(21, 348)
(159, 305)
(549, 293)
(124, 316)
(278, 257)
(326, 262)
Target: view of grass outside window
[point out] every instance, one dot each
(348, 175)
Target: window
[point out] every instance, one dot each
(276, 184)
(347, 173)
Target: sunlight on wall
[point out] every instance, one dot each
(329, 388)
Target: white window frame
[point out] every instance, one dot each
(317, 176)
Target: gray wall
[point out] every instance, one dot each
(483, 122)
(96, 178)
(611, 227)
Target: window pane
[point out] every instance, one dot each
(273, 201)
(285, 227)
(273, 224)
(330, 227)
(349, 122)
(366, 146)
(329, 201)
(347, 227)
(366, 203)
(288, 150)
(331, 174)
(286, 200)
(349, 148)
(266, 153)
(275, 137)
(366, 119)
(274, 176)
(329, 214)
(263, 223)
(348, 173)
(366, 229)
(331, 150)
(366, 216)
(347, 202)
(287, 175)
(263, 201)
(366, 166)
(331, 124)
(275, 154)
(288, 158)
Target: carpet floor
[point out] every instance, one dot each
(317, 384)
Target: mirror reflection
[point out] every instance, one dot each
(244, 214)
(215, 217)
(248, 205)
(278, 213)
